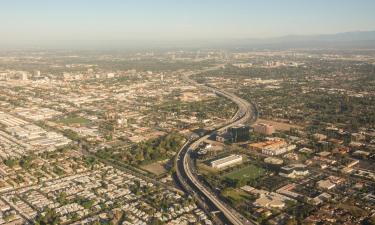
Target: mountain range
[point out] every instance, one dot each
(348, 40)
(357, 39)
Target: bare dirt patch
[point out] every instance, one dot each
(156, 168)
(280, 125)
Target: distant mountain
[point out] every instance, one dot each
(358, 39)
(348, 40)
(347, 36)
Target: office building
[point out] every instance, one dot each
(239, 133)
(262, 128)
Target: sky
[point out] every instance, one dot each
(93, 20)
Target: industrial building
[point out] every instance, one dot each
(226, 161)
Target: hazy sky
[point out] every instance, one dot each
(25, 20)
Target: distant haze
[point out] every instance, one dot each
(102, 23)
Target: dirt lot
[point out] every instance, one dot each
(279, 125)
(156, 168)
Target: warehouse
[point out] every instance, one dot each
(226, 161)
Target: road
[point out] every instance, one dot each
(185, 171)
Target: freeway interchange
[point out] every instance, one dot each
(186, 173)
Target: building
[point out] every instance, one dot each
(259, 146)
(223, 137)
(273, 161)
(278, 151)
(267, 199)
(262, 128)
(110, 75)
(358, 137)
(239, 133)
(319, 137)
(226, 161)
(321, 198)
(294, 171)
(66, 76)
(272, 147)
(24, 76)
(326, 184)
(234, 134)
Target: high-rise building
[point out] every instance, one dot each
(262, 128)
(239, 133)
(23, 75)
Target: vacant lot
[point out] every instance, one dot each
(156, 168)
(279, 125)
(250, 172)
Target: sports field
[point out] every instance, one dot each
(250, 172)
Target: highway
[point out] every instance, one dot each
(185, 171)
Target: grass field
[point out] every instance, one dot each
(250, 172)
(353, 209)
(203, 168)
(74, 120)
(235, 194)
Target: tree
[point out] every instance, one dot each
(369, 221)
(291, 221)
(10, 162)
(155, 221)
(48, 217)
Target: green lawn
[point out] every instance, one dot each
(74, 120)
(250, 172)
(235, 194)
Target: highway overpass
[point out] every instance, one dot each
(246, 113)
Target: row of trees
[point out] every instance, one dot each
(25, 162)
(146, 152)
